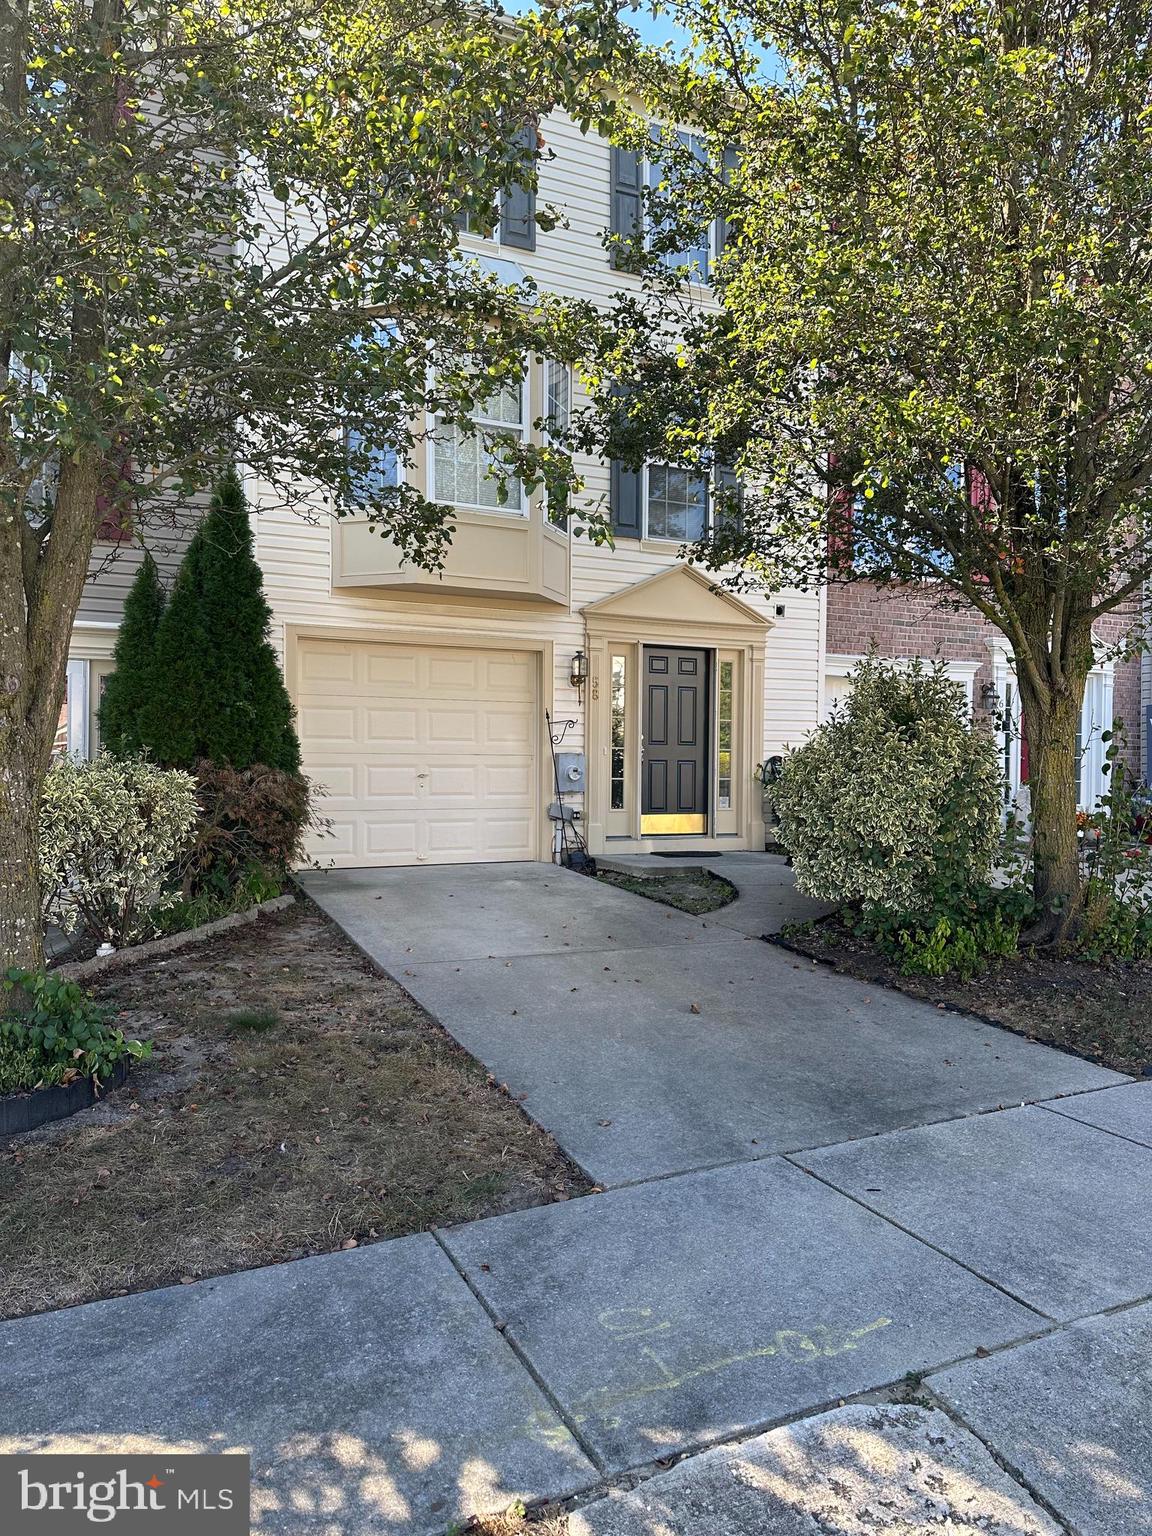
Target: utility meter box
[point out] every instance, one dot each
(570, 770)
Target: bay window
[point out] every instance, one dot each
(465, 469)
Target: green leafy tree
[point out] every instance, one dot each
(228, 230)
(129, 690)
(935, 301)
(219, 693)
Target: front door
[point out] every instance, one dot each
(675, 747)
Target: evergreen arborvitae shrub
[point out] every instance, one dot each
(220, 694)
(129, 690)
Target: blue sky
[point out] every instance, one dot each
(653, 29)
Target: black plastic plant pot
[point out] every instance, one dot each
(25, 1111)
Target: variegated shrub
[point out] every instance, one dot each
(110, 832)
(895, 801)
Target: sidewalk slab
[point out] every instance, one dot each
(1035, 1202)
(779, 1054)
(369, 1387)
(471, 912)
(672, 1314)
(859, 1471)
(1070, 1414)
(1125, 1111)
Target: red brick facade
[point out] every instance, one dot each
(915, 621)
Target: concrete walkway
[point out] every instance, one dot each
(814, 1192)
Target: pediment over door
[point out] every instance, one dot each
(680, 595)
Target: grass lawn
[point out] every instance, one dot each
(691, 890)
(1103, 1012)
(296, 1102)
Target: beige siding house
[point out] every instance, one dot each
(422, 699)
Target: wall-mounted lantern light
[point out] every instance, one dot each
(990, 698)
(579, 673)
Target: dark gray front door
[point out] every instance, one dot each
(675, 781)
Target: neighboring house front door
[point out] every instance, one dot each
(675, 745)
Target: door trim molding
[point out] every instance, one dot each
(746, 646)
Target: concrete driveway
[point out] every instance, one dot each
(813, 1191)
(649, 1042)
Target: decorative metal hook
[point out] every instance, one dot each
(565, 727)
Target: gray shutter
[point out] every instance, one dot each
(627, 198)
(518, 212)
(724, 228)
(624, 500)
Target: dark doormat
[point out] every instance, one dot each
(688, 853)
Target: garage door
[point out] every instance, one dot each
(425, 754)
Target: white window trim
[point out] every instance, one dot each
(524, 509)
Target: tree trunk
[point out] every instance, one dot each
(21, 924)
(1053, 724)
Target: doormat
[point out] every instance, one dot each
(687, 853)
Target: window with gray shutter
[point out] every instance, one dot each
(627, 201)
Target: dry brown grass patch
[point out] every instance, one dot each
(335, 1113)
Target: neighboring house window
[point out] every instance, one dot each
(1095, 720)
(666, 501)
(464, 468)
(632, 172)
(513, 220)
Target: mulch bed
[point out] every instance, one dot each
(689, 890)
(1102, 1012)
(297, 1102)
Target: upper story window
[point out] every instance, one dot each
(633, 222)
(671, 502)
(676, 504)
(512, 221)
(465, 470)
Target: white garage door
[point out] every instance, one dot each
(425, 754)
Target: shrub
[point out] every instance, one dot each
(110, 831)
(250, 830)
(223, 696)
(960, 941)
(130, 689)
(895, 802)
(60, 1033)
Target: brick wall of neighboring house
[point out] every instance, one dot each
(915, 621)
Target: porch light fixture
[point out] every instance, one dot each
(990, 698)
(579, 673)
